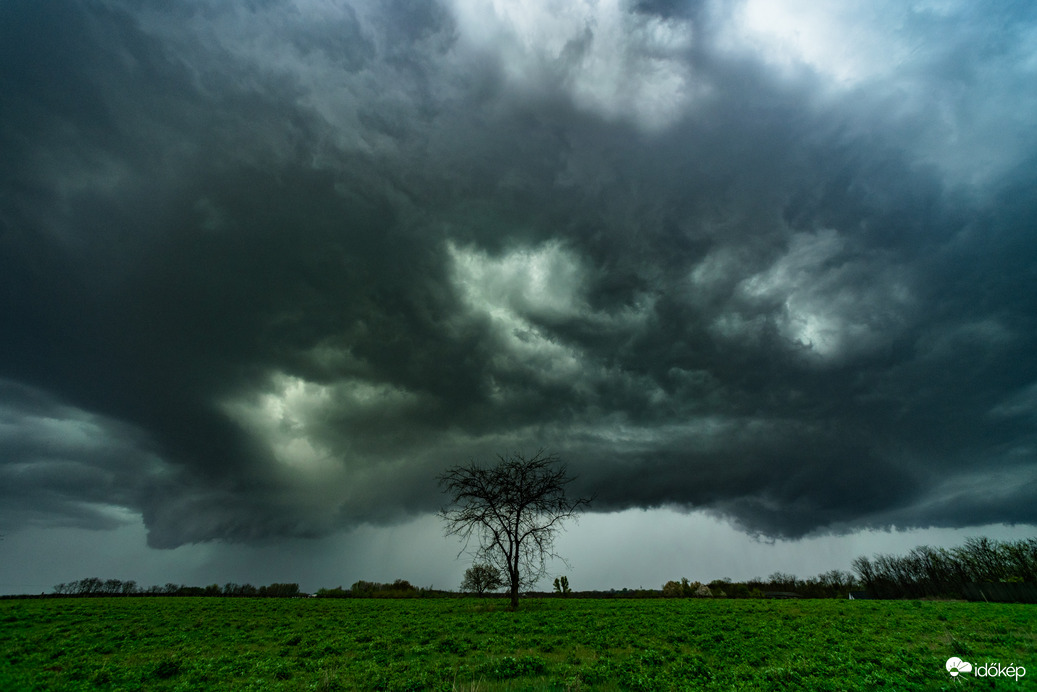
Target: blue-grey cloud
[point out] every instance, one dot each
(281, 262)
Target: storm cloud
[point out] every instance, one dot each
(267, 268)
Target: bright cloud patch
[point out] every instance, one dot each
(849, 42)
(611, 61)
(282, 418)
(828, 300)
(516, 290)
(542, 282)
(307, 426)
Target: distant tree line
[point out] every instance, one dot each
(832, 584)
(401, 588)
(927, 572)
(92, 586)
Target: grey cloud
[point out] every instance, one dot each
(63, 466)
(289, 266)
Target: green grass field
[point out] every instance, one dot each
(472, 644)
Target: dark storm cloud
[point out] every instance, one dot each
(64, 466)
(280, 263)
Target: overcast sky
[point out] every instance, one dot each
(764, 273)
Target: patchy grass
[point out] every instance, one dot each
(474, 644)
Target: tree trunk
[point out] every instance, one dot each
(514, 574)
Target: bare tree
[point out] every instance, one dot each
(512, 511)
(481, 577)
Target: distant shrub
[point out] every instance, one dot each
(279, 591)
(401, 588)
(685, 589)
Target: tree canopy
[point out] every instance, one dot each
(512, 512)
(481, 577)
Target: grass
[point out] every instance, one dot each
(469, 644)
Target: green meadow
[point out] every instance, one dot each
(478, 644)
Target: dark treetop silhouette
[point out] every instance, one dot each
(480, 578)
(512, 511)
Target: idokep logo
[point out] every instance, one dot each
(955, 666)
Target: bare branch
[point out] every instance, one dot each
(512, 511)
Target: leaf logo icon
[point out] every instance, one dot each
(955, 665)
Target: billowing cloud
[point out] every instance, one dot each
(267, 268)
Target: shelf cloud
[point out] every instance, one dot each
(267, 268)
